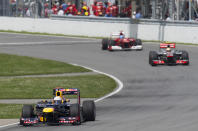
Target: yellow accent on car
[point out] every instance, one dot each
(41, 119)
(48, 110)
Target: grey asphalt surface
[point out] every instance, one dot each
(162, 98)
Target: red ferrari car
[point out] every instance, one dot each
(117, 41)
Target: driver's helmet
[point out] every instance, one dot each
(121, 36)
(57, 100)
(168, 49)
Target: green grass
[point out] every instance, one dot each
(91, 86)
(8, 111)
(12, 65)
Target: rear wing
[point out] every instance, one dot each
(68, 91)
(167, 45)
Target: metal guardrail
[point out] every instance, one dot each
(93, 19)
(124, 20)
(164, 22)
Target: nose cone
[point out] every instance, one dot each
(48, 110)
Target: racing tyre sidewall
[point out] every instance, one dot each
(152, 56)
(104, 44)
(27, 111)
(89, 110)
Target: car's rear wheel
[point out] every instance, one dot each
(185, 56)
(89, 110)
(105, 44)
(152, 56)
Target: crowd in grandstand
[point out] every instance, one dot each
(105, 9)
(99, 8)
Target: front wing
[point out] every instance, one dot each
(114, 48)
(61, 120)
(178, 62)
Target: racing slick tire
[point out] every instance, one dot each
(152, 56)
(89, 110)
(105, 44)
(27, 111)
(185, 56)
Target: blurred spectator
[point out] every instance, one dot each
(71, 9)
(138, 13)
(85, 10)
(55, 9)
(64, 6)
(39, 8)
(27, 12)
(60, 12)
(167, 17)
(98, 9)
(46, 10)
(126, 12)
(112, 11)
(13, 7)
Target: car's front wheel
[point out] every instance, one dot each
(152, 56)
(105, 44)
(27, 111)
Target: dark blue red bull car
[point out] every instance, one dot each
(59, 111)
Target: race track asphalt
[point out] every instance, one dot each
(162, 98)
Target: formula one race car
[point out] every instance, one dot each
(117, 41)
(59, 110)
(168, 55)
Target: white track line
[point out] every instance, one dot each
(119, 88)
(9, 125)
